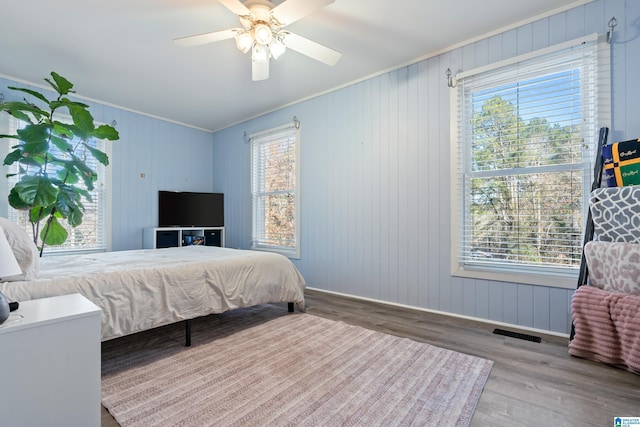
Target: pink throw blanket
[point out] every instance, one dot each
(607, 327)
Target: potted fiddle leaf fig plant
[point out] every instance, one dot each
(53, 176)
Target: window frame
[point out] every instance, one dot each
(257, 215)
(506, 271)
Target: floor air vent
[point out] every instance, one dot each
(517, 335)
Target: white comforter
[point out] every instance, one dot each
(142, 289)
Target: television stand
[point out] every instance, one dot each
(174, 237)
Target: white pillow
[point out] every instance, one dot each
(24, 250)
(614, 266)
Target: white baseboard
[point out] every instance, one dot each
(446, 313)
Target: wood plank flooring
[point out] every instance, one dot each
(531, 384)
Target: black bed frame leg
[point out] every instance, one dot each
(188, 333)
(290, 307)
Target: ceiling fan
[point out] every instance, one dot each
(264, 35)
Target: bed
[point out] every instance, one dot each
(143, 289)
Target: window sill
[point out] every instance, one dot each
(291, 254)
(538, 279)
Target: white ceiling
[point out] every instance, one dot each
(121, 51)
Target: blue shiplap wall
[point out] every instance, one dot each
(170, 156)
(375, 175)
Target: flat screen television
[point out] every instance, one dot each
(190, 209)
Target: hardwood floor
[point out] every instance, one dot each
(531, 384)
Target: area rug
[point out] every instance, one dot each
(263, 366)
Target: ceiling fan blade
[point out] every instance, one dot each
(259, 70)
(207, 37)
(311, 49)
(236, 7)
(291, 10)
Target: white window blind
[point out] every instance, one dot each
(274, 191)
(526, 133)
(91, 235)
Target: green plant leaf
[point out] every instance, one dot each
(53, 233)
(67, 201)
(39, 213)
(75, 218)
(21, 110)
(20, 116)
(63, 130)
(86, 173)
(34, 133)
(68, 175)
(61, 143)
(16, 202)
(13, 157)
(106, 132)
(99, 155)
(34, 150)
(33, 154)
(83, 193)
(65, 102)
(63, 205)
(36, 160)
(38, 95)
(61, 85)
(83, 120)
(36, 191)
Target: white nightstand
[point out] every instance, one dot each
(50, 363)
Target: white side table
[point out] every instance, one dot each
(50, 363)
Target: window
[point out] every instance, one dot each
(526, 132)
(91, 235)
(275, 191)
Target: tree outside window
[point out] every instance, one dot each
(525, 139)
(275, 191)
(525, 201)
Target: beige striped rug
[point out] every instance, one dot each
(263, 366)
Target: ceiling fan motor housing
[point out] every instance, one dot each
(260, 11)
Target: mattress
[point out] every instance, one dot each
(143, 289)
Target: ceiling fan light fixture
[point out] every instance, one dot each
(263, 33)
(244, 41)
(260, 53)
(277, 47)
